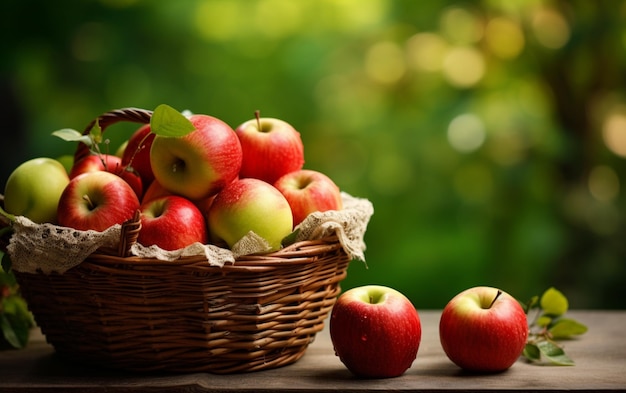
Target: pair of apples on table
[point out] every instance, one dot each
(376, 331)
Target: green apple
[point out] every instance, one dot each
(250, 205)
(33, 189)
(67, 160)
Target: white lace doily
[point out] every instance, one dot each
(49, 248)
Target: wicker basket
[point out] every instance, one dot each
(139, 314)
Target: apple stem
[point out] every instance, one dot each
(495, 298)
(257, 116)
(139, 148)
(86, 197)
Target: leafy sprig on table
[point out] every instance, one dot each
(547, 324)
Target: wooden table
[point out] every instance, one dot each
(600, 357)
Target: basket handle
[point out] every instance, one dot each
(134, 115)
(129, 233)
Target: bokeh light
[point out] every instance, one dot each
(466, 133)
(614, 132)
(425, 51)
(504, 37)
(464, 66)
(461, 26)
(384, 62)
(550, 28)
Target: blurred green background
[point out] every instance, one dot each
(489, 135)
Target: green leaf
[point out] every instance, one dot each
(553, 302)
(70, 135)
(531, 352)
(15, 321)
(6, 262)
(291, 238)
(167, 121)
(8, 333)
(564, 328)
(554, 353)
(96, 132)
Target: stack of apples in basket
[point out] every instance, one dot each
(192, 177)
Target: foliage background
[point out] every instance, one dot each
(489, 135)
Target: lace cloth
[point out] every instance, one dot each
(49, 248)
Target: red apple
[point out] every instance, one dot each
(309, 191)
(376, 331)
(200, 163)
(96, 200)
(171, 222)
(247, 205)
(271, 148)
(154, 190)
(137, 153)
(205, 205)
(483, 329)
(109, 163)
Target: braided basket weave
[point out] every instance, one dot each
(141, 314)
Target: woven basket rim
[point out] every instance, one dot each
(297, 253)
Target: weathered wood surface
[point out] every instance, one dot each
(600, 357)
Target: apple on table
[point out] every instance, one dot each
(34, 188)
(249, 205)
(375, 331)
(309, 191)
(271, 148)
(96, 200)
(483, 329)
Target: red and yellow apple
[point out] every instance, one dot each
(309, 191)
(200, 163)
(271, 148)
(109, 163)
(250, 205)
(171, 222)
(96, 200)
(154, 190)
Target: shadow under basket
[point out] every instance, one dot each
(187, 316)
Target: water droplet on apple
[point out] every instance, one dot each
(364, 337)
